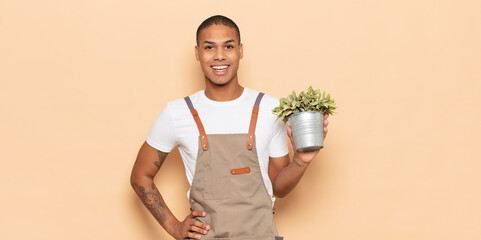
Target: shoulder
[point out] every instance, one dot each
(268, 102)
(180, 105)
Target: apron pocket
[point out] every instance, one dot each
(218, 185)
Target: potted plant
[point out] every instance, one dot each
(305, 115)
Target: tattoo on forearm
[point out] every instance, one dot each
(161, 158)
(152, 201)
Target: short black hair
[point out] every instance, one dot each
(217, 20)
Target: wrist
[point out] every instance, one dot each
(299, 162)
(169, 226)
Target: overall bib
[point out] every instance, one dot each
(228, 185)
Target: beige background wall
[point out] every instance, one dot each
(81, 82)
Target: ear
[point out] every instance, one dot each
(197, 52)
(241, 50)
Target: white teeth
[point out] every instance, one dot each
(220, 67)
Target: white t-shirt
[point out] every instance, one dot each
(175, 126)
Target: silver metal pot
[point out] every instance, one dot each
(307, 130)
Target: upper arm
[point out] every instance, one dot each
(162, 135)
(276, 165)
(148, 161)
(160, 141)
(278, 150)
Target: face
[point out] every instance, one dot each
(219, 52)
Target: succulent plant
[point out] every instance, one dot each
(311, 100)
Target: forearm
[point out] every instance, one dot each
(288, 177)
(152, 199)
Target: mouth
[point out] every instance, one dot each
(220, 69)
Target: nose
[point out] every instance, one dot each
(219, 54)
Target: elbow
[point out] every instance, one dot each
(138, 179)
(280, 194)
(279, 190)
(133, 181)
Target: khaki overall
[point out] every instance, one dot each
(228, 185)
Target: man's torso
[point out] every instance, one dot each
(175, 126)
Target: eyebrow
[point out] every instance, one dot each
(211, 42)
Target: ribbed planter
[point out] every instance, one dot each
(307, 130)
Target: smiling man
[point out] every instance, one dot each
(234, 151)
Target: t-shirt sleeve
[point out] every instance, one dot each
(162, 134)
(278, 147)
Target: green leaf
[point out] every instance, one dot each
(311, 100)
(294, 96)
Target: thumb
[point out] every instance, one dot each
(291, 139)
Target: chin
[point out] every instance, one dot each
(219, 82)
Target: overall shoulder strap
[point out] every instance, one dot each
(252, 126)
(203, 136)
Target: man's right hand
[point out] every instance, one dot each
(190, 228)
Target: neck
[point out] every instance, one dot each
(223, 93)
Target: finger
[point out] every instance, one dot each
(201, 225)
(289, 132)
(198, 229)
(289, 135)
(193, 235)
(326, 115)
(198, 213)
(326, 122)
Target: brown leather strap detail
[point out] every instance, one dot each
(252, 126)
(203, 136)
(238, 171)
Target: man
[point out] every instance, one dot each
(233, 149)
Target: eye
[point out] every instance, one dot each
(208, 47)
(230, 46)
